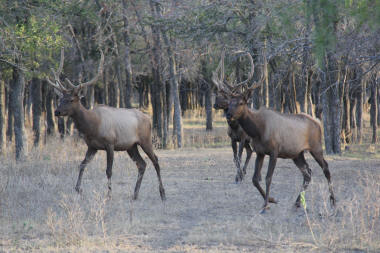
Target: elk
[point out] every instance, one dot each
(279, 136)
(106, 128)
(235, 132)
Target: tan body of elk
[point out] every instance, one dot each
(107, 128)
(237, 135)
(279, 135)
(112, 129)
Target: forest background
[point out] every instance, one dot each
(320, 57)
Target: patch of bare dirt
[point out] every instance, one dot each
(205, 210)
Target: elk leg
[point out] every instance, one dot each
(89, 156)
(141, 165)
(239, 175)
(318, 156)
(249, 151)
(110, 151)
(268, 179)
(257, 176)
(306, 172)
(148, 149)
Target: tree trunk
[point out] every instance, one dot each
(36, 109)
(61, 127)
(208, 93)
(346, 124)
(127, 60)
(112, 94)
(17, 101)
(10, 112)
(359, 113)
(331, 106)
(353, 103)
(373, 111)
(177, 119)
(266, 77)
(378, 104)
(208, 105)
(156, 68)
(50, 126)
(2, 109)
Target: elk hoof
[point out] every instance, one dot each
(239, 177)
(332, 201)
(78, 189)
(109, 195)
(265, 208)
(272, 200)
(162, 194)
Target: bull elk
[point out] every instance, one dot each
(279, 136)
(235, 131)
(106, 128)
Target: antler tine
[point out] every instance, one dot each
(257, 84)
(100, 71)
(217, 78)
(70, 83)
(57, 85)
(252, 69)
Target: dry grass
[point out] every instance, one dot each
(205, 210)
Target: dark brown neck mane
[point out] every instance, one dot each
(85, 120)
(249, 122)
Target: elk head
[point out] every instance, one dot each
(238, 102)
(225, 90)
(70, 97)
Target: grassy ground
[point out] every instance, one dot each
(205, 210)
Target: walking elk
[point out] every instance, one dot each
(235, 132)
(107, 128)
(279, 136)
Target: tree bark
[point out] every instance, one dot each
(2, 107)
(353, 103)
(208, 92)
(373, 111)
(177, 119)
(10, 112)
(346, 124)
(61, 127)
(157, 87)
(17, 101)
(36, 109)
(331, 106)
(208, 106)
(127, 60)
(112, 94)
(50, 125)
(378, 101)
(359, 112)
(266, 76)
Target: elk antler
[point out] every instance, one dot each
(250, 75)
(218, 79)
(255, 85)
(96, 77)
(58, 85)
